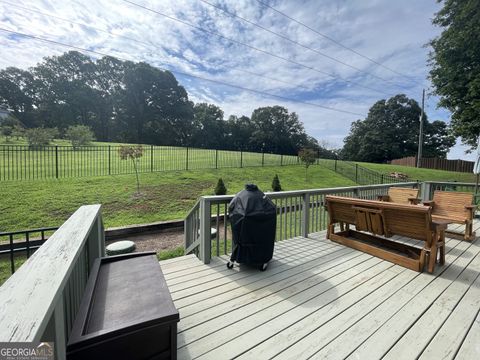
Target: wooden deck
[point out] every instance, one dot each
(321, 300)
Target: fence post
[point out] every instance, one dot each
(109, 160)
(151, 158)
(186, 162)
(306, 214)
(205, 232)
(56, 161)
(335, 165)
(382, 179)
(281, 160)
(241, 158)
(216, 158)
(263, 157)
(356, 173)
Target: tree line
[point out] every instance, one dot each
(132, 102)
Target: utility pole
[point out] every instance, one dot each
(420, 135)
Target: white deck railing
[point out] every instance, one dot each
(40, 300)
(299, 213)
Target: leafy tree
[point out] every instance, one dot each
(390, 131)
(210, 126)
(37, 138)
(278, 130)
(133, 153)
(276, 186)
(8, 127)
(79, 135)
(6, 131)
(455, 66)
(220, 189)
(307, 157)
(239, 132)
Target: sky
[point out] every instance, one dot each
(327, 60)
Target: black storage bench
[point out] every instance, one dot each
(126, 312)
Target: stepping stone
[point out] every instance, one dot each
(120, 247)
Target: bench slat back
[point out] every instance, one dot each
(401, 195)
(452, 204)
(412, 221)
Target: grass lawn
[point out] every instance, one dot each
(101, 159)
(165, 195)
(421, 174)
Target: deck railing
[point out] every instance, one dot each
(299, 213)
(39, 302)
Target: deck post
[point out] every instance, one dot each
(426, 189)
(205, 241)
(96, 241)
(306, 214)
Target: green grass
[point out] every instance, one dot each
(421, 174)
(5, 270)
(19, 163)
(170, 253)
(164, 195)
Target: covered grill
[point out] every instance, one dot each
(253, 218)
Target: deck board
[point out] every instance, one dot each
(319, 299)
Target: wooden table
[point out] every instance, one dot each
(438, 244)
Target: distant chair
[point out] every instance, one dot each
(455, 207)
(401, 195)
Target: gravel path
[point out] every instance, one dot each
(164, 240)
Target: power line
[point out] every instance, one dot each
(297, 43)
(181, 73)
(211, 32)
(138, 41)
(337, 42)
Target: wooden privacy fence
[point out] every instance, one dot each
(436, 163)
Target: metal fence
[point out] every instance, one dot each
(359, 174)
(54, 162)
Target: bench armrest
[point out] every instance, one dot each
(429, 203)
(470, 207)
(414, 201)
(383, 197)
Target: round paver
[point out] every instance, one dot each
(120, 247)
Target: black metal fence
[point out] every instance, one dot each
(359, 174)
(17, 246)
(18, 162)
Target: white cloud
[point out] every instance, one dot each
(390, 32)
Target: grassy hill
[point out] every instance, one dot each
(165, 195)
(421, 174)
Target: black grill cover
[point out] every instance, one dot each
(253, 218)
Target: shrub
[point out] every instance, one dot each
(276, 184)
(40, 137)
(79, 135)
(6, 131)
(220, 189)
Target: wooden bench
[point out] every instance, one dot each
(455, 207)
(401, 195)
(383, 220)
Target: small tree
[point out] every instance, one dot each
(307, 157)
(8, 127)
(18, 132)
(79, 135)
(220, 189)
(40, 137)
(6, 131)
(276, 184)
(133, 153)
